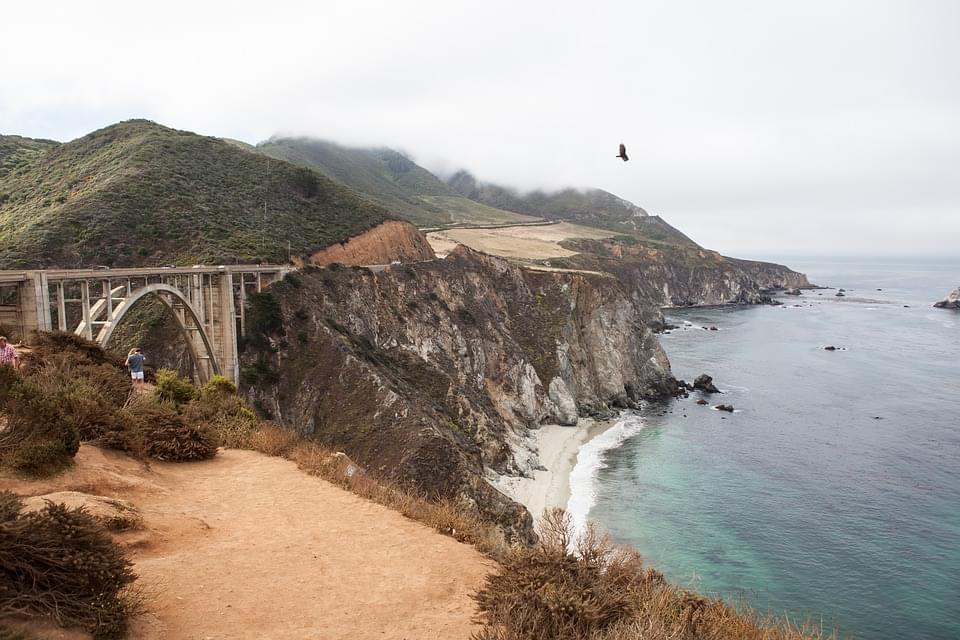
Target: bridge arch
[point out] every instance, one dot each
(164, 292)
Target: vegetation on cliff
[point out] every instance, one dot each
(138, 193)
(17, 151)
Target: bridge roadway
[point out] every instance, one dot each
(209, 303)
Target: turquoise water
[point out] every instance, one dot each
(834, 491)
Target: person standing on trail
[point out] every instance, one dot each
(8, 355)
(135, 364)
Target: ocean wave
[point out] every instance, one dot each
(583, 478)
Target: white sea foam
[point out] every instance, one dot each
(583, 478)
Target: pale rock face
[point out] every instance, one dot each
(952, 301)
(565, 407)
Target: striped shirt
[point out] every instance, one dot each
(8, 354)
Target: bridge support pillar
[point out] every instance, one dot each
(34, 303)
(227, 347)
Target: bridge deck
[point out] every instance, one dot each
(12, 277)
(207, 300)
(139, 272)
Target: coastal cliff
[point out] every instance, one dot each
(661, 275)
(431, 374)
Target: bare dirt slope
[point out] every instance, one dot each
(248, 546)
(385, 243)
(520, 242)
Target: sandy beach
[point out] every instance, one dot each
(557, 447)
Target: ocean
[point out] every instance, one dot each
(832, 493)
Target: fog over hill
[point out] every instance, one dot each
(759, 129)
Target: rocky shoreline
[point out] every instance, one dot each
(450, 376)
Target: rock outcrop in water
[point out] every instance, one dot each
(951, 302)
(431, 374)
(704, 383)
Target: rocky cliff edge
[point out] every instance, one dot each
(430, 374)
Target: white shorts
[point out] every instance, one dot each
(137, 376)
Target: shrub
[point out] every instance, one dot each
(165, 435)
(8, 378)
(59, 360)
(601, 592)
(219, 409)
(259, 372)
(264, 317)
(78, 349)
(60, 563)
(547, 592)
(11, 633)
(41, 435)
(174, 389)
(272, 440)
(124, 433)
(218, 385)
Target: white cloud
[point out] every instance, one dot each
(756, 127)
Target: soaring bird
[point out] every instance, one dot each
(623, 152)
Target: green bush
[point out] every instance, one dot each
(219, 409)
(174, 389)
(264, 318)
(166, 435)
(60, 563)
(41, 436)
(260, 372)
(218, 385)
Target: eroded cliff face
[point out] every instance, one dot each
(428, 373)
(387, 242)
(674, 276)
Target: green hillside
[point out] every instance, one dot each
(589, 207)
(139, 193)
(17, 151)
(389, 179)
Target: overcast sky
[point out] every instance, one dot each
(758, 128)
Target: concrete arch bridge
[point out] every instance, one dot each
(208, 301)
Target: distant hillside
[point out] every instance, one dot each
(17, 151)
(389, 179)
(140, 193)
(589, 207)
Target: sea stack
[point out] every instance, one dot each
(952, 301)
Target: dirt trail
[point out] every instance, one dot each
(248, 546)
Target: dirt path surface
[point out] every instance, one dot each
(248, 546)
